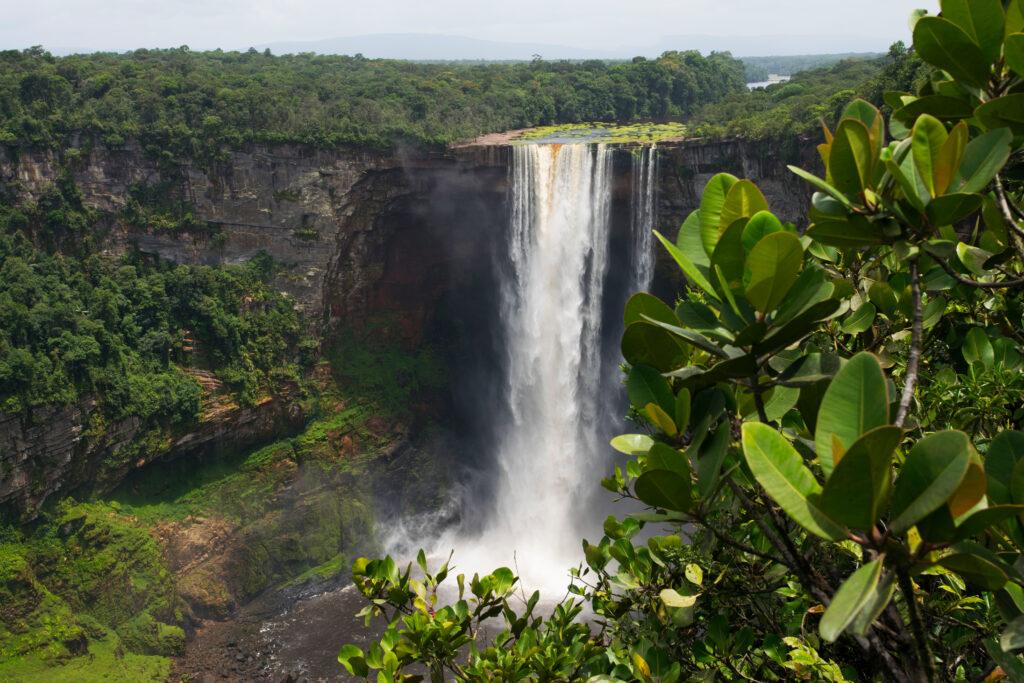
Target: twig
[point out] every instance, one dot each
(974, 283)
(914, 359)
(924, 653)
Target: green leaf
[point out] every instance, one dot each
(760, 224)
(664, 457)
(743, 201)
(660, 419)
(632, 444)
(780, 470)
(1014, 49)
(855, 593)
(929, 137)
(672, 598)
(852, 159)
(860, 481)
(642, 304)
(845, 233)
(694, 574)
(351, 657)
(682, 411)
(982, 20)
(712, 455)
(811, 287)
(646, 385)
(940, 106)
(977, 569)
(952, 208)
(771, 269)
(711, 203)
(857, 401)
(1006, 449)
(931, 474)
(728, 256)
(644, 343)
(693, 275)
(977, 348)
(882, 296)
(860, 320)
(1003, 112)
(984, 157)
(689, 241)
(982, 520)
(822, 185)
(880, 597)
(664, 489)
(945, 45)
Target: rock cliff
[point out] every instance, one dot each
(399, 246)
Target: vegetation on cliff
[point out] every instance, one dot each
(179, 103)
(829, 453)
(78, 323)
(785, 111)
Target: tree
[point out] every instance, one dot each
(829, 514)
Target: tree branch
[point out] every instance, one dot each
(914, 359)
(924, 652)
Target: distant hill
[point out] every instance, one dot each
(437, 48)
(440, 47)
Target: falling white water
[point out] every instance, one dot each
(561, 387)
(644, 207)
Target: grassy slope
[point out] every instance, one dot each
(87, 595)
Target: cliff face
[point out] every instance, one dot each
(382, 244)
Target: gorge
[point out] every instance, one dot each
(445, 253)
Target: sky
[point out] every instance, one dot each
(592, 24)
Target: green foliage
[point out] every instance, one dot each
(83, 324)
(865, 475)
(183, 104)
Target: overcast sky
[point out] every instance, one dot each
(593, 24)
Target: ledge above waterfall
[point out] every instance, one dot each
(589, 133)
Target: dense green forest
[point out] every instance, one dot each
(187, 103)
(796, 108)
(759, 68)
(76, 323)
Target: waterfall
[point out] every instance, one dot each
(562, 391)
(644, 208)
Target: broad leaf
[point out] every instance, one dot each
(632, 444)
(929, 137)
(644, 343)
(743, 201)
(931, 474)
(855, 593)
(682, 411)
(852, 158)
(771, 270)
(984, 157)
(945, 45)
(860, 320)
(660, 419)
(977, 348)
(878, 601)
(1006, 449)
(1014, 49)
(641, 304)
(689, 241)
(859, 483)
(760, 224)
(664, 489)
(1012, 637)
(857, 401)
(711, 203)
(780, 470)
(693, 275)
(982, 520)
(1003, 112)
(712, 455)
(646, 385)
(982, 20)
(664, 457)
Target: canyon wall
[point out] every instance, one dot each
(400, 246)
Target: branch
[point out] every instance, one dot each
(974, 283)
(924, 653)
(914, 359)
